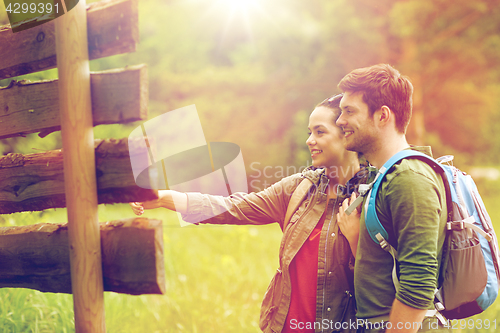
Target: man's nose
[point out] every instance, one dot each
(340, 121)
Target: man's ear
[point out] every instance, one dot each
(384, 116)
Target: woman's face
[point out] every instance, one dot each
(326, 140)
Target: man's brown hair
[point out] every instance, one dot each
(382, 85)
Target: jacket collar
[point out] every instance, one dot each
(423, 149)
(315, 174)
(318, 177)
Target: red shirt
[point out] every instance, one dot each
(304, 278)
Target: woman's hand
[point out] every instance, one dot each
(349, 224)
(137, 208)
(166, 199)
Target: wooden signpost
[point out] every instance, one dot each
(82, 257)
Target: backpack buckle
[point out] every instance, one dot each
(383, 243)
(455, 225)
(439, 306)
(364, 188)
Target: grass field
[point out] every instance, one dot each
(216, 278)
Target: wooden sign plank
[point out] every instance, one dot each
(118, 96)
(112, 29)
(35, 182)
(37, 257)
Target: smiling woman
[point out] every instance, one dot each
(315, 274)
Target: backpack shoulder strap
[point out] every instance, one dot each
(296, 199)
(372, 222)
(375, 229)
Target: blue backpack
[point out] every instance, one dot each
(470, 272)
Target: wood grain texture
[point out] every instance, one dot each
(115, 179)
(35, 182)
(80, 185)
(37, 257)
(112, 29)
(132, 255)
(118, 96)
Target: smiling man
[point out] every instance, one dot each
(411, 205)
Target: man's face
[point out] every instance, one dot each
(358, 126)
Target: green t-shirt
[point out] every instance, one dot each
(411, 205)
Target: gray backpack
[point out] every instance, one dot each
(470, 272)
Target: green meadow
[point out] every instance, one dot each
(216, 277)
(255, 70)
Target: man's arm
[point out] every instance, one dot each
(404, 318)
(418, 208)
(419, 222)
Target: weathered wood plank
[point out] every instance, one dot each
(37, 257)
(118, 96)
(35, 182)
(112, 27)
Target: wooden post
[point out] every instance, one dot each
(79, 169)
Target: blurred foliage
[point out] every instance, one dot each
(254, 74)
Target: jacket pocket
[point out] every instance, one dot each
(270, 301)
(299, 212)
(349, 315)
